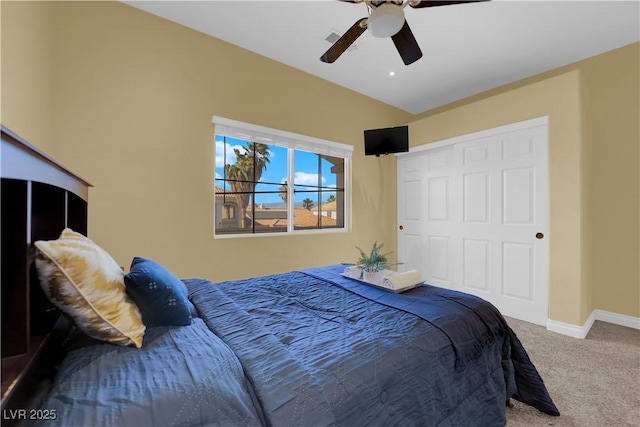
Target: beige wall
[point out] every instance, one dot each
(130, 100)
(612, 141)
(593, 165)
(26, 54)
(125, 100)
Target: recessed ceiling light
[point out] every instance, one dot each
(391, 73)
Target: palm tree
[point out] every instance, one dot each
(307, 203)
(244, 175)
(331, 198)
(283, 192)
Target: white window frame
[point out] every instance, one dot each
(291, 141)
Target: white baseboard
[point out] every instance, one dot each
(572, 330)
(582, 331)
(618, 319)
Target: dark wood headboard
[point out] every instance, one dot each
(39, 198)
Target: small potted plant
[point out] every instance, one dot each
(371, 265)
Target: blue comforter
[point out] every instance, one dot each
(307, 348)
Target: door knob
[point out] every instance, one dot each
(539, 236)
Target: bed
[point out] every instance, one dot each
(301, 348)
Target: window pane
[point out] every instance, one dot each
(318, 189)
(269, 215)
(248, 193)
(305, 213)
(331, 209)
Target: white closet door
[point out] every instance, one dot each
(500, 232)
(438, 219)
(410, 212)
(485, 219)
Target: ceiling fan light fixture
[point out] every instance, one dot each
(386, 20)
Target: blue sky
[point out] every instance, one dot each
(305, 170)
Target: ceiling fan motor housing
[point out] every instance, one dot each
(386, 20)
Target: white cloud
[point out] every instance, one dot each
(303, 178)
(231, 155)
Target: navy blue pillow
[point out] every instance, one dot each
(161, 297)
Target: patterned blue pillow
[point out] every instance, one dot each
(161, 297)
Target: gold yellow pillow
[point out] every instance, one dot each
(86, 283)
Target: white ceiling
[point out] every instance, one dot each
(467, 48)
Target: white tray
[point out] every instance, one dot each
(375, 285)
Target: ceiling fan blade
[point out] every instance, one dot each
(407, 45)
(343, 43)
(429, 3)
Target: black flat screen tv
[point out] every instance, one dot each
(386, 141)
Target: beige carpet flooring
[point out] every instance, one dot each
(594, 382)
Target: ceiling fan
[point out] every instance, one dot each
(386, 19)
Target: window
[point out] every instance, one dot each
(270, 181)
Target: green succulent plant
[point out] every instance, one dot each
(374, 261)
